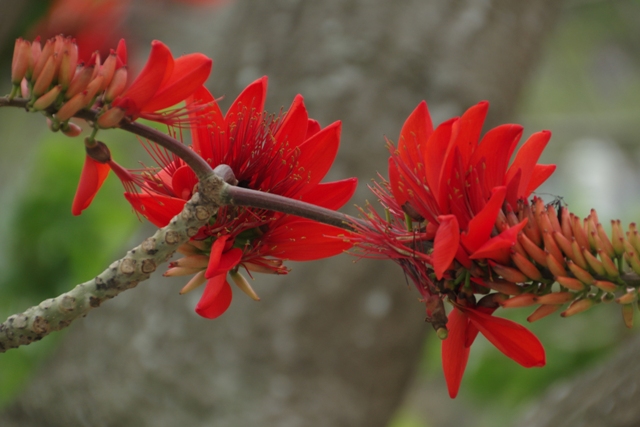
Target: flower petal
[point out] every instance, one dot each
(189, 73)
(539, 175)
(221, 261)
(318, 153)
(216, 297)
(91, 179)
(526, 159)
(250, 101)
(513, 340)
(204, 122)
(497, 248)
(305, 240)
(331, 195)
(455, 353)
(158, 209)
(414, 134)
(481, 225)
(445, 244)
(293, 129)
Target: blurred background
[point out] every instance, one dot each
(335, 343)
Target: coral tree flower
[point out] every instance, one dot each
(512, 339)
(459, 183)
(162, 83)
(461, 191)
(288, 156)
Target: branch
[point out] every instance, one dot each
(57, 313)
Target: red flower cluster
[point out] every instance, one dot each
(457, 187)
(288, 156)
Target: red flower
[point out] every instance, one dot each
(512, 339)
(459, 183)
(288, 156)
(162, 83)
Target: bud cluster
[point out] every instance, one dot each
(53, 80)
(556, 246)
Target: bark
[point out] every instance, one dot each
(333, 343)
(604, 395)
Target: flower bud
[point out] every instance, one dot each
(508, 273)
(523, 300)
(609, 265)
(70, 129)
(580, 273)
(525, 266)
(606, 243)
(195, 282)
(244, 285)
(564, 244)
(578, 232)
(79, 82)
(555, 267)
(110, 118)
(628, 298)
(567, 231)
(534, 251)
(557, 298)
(43, 82)
(551, 246)
(43, 57)
(553, 218)
(20, 62)
(71, 107)
(594, 263)
(47, 99)
(617, 237)
(605, 286)
(627, 315)
(570, 283)
(578, 256)
(542, 311)
(36, 50)
(193, 261)
(117, 85)
(578, 307)
(68, 65)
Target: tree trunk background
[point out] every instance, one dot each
(333, 343)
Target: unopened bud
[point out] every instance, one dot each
(79, 82)
(534, 251)
(628, 298)
(195, 282)
(578, 307)
(558, 298)
(606, 243)
(565, 223)
(555, 267)
(617, 237)
(605, 286)
(526, 266)
(36, 50)
(43, 57)
(244, 285)
(108, 69)
(578, 232)
(193, 261)
(47, 99)
(523, 300)
(542, 311)
(581, 274)
(71, 107)
(570, 283)
(117, 85)
(508, 273)
(609, 265)
(68, 66)
(20, 62)
(45, 78)
(70, 129)
(627, 315)
(595, 264)
(180, 271)
(110, 118)
(578, 256)
(551, 246)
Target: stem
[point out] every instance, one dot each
(195, 162)
(239, 196)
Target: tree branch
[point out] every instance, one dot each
(137, 265)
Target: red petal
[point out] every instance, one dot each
(513, 340)
(318, 153)
(121, 53)
(445, 244)
(498, 247)
(455, 353)
(250, 101)
(434, 155)
(183, 181)
(527, 158)
(91, 179)
(204, 122)
(469, 127)
(293, 129)
(313, 127)
(220, 261)
(481, 226)
(496, 149)
(158, 209)
(539, 175)
(216, 297)
(189, 73)
(304, 240)
(414, 134)
(144, 87)
(332, 195)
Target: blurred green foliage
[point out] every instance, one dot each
(48, 251)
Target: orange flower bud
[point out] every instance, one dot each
(523, 300)
(43, 57)
(594, 263)
(605, 286)
(47, 99)
(570, 283)
(567, 231)
(525, 266)
(68, 65)
(44, 80)
(70, 129)
(193, 261)
(508, 273)
(555, 267)
(628, 298)
(627, 315)
(180, 271)
(578, 307)
(117, 85)
(564, 244)
(71, 107)
(578, 257)
(553, 218)
(533, 250)
(617, 237)
(110, 118)
(609, 265)
(580, 273)
(578, 232)
(108, 69)
(20, 62)
(558, 298)
(542, 311)
(606, 243)
(36, 50)
(79, 82)
(551, 246)
(531, 229)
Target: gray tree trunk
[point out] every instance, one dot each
(334, 343)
